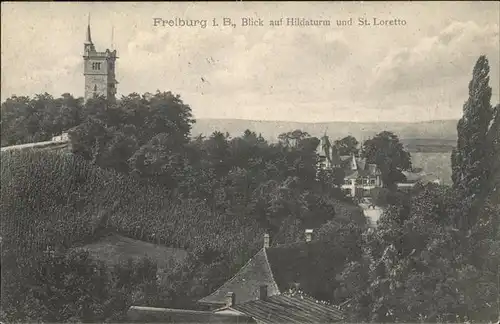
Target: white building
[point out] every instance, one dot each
(360, 177)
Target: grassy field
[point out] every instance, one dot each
(114, 248)
(438, 164)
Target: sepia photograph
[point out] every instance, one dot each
(250, 162)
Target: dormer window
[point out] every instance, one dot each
(96, 66)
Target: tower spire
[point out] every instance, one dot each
(88, 40)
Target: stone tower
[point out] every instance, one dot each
(99, 70)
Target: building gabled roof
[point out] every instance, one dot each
(289, 309)
(373, 169)
(139, 314)
(256, 272)
(370, 170)
(350, 174)
(361, 163)
(324, 147)
(412, 176)
(306, 265)
(358, 167)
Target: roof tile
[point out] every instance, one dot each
(246, 282)
(287, 309)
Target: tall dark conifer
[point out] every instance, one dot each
(470, 162)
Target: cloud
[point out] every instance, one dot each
(273, 61)
(320, 73)
(436, 61)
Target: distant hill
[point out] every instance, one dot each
(438, 133)
(429, 145)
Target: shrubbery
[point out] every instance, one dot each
(141, 177)
(60, 286)
(61, 200)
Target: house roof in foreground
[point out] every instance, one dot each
(308, 265)
(289, 309)
(256, 272)
(139, 314)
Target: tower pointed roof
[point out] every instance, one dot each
(354, 164)
(88, 39)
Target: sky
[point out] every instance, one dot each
(413, 72)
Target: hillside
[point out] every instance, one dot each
(60, 199)
(428, 131)
(49, 198)
(113, 249)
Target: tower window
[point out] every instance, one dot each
(96, 66)
(95, 87)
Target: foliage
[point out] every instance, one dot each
(37, 119)
(469, 159)
(422, 268)
(435, 257)
(129, 129)
(384, 197)
(73, 201)
(293, 138)
(60, 286)
(347, 145)
(388, 153)
(135, 172)
(310, 265)
(331, 180)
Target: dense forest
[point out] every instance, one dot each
(135, 170)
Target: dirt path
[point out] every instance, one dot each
(371, 212)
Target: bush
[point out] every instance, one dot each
(67, 286)
(54, 287)
(62, 200)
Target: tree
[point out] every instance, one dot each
(292, 139)
(331, 181)
(388, 153)
(248, 151)
(55, 287)
(157, 160)
(216, 148)
(420, 267)
(114, 133)
(492, 187)
(26, 119)
(470, 158)
(347, 145)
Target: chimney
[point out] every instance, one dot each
(230, 299)
(309, 233)
(263, 292)
(266, 241)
